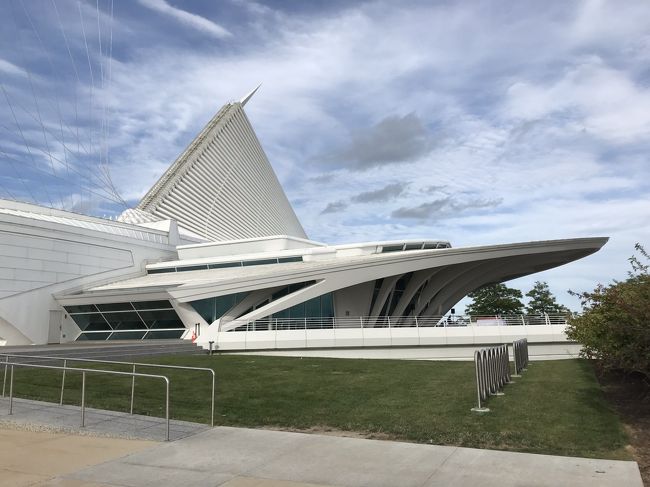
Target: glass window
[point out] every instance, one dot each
(391, 248)
(282, 260)
(192, 268)
(260, 262)
(223, 265)
(115, 307)
(152, 305)
(413, 246)
(161, 319)
(431, 245)
(90, 322)
(81, 308)
(158, 335)
(312, 308)
(93, 336)
(127, 335)
(124, 320)
(327, 305)
(161, 271)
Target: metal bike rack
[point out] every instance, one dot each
(83, 371)
(492, 367)
(520, 355)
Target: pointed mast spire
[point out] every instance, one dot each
(244, 100)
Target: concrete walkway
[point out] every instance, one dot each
(239, 457)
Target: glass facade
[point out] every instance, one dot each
(138, 320)
(224, 265)
(212, 309)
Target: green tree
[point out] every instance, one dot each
(542, 301)
(614, 327)
(495, 299)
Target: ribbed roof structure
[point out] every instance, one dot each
(222, 186)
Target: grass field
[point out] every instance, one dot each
(557, 407)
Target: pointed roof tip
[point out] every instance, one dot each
(244, 100)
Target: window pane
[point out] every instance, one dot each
(124, 321)
(93, 336)
(391, 248)
(81, 308)
(161, 319)
(205, 307)
(152, 305)
(115, 307)
(224, 265)
(128, 335)
(157, 335)
(161, 271)
(289, 259)
(90, 322)
(192, 268)
(413, 246)
(260, 262)
(327, 306)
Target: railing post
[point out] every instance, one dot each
(416, 322)
(167, 405)
(361, 321)
(83, 399)
(65, 365)
(11, 391)
(547, 320)
(4, 381)
(213, 384)
(523, 320)
(132, 389)
(388, 320)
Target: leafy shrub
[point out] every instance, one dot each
(614, 327)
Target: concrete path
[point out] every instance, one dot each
(239, 457)
(99, 422)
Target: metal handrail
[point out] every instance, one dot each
(279, 324)
(83, 385)
(116, 362)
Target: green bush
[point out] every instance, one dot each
(614, 327)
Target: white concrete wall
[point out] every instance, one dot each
(473, 336)
(29, 261)
(41, 259)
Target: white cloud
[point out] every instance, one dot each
(187, 18)
(9, 68)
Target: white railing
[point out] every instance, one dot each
(274, 324)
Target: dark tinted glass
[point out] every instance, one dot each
(90, 322)
(259, 262)
(224, 265)
(128, 335)
(157, 335)
(93, 336)
(413, 247)
(81, 308)
(161, 319)
(152, 305)
(289, 259)
(192, 268)
(115, 307)
(391, 248)
(161, 271)
(124, 321)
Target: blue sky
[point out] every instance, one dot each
(476, 122)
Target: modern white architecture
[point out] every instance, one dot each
(215, 249)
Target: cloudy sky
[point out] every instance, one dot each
(476, 122)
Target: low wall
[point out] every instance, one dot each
(427, 343)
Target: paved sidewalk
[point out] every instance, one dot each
(239, 457)
(99, 422)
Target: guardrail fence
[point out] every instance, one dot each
(134, 365)
(83, 372)
(273, 324)
(520, 354)
(492, 366)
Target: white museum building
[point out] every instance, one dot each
(215, 250)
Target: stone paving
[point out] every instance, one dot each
(240, 457)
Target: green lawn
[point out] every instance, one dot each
(556, 408)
